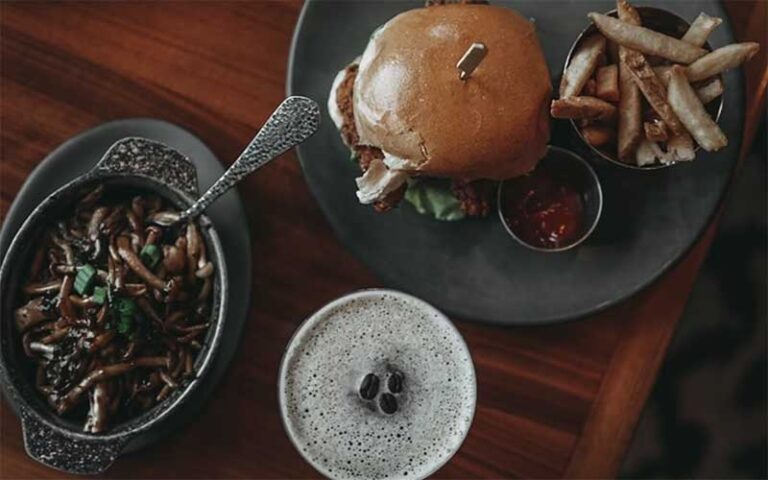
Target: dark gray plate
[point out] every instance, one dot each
(79, 154)
(472, 269)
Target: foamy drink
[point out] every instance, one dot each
(377, 384)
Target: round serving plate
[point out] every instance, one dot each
(472, 268)
(78, 155)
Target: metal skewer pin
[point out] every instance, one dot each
(471, 59)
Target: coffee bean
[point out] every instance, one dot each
(395, 382)
(369, 387)
(388, 403)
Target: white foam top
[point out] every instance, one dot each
(377, 331)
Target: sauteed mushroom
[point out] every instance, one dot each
(114, 308)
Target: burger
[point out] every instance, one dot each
(422, 133)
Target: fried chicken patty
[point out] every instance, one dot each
(474, 197)
(365, 153)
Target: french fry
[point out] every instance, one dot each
(582, 107)
(700, 29)
(608, 83)
(710, 90)
(582, 65)
(590, 88)
(645, 40)
(653, 90)
(662, 71)
(598, 135)
(648, 153)
(630, 104)
(656, 131)
(627, 13)
(683, 100)
(727, 57)
(681, 148)
(629, 122)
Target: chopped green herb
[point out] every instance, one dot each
(124, 325)
(150, 255)
(99, 295)
(125, 307)
(125, 312)
(86, 276)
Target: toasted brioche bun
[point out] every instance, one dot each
(410, 102)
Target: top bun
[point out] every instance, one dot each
(410, 103)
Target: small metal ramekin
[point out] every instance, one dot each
(585, 179)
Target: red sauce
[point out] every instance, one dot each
(542, 210)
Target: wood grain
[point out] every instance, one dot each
(553, 401)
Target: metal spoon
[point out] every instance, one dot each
(294, 121)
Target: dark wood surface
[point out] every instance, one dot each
(554, 401)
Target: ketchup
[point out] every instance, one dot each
(543, 210)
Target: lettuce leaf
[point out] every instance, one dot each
(434, 198)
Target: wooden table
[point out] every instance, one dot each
(554, 401)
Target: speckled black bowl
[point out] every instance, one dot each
(139, 165)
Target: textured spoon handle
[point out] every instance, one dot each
(294, 121)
